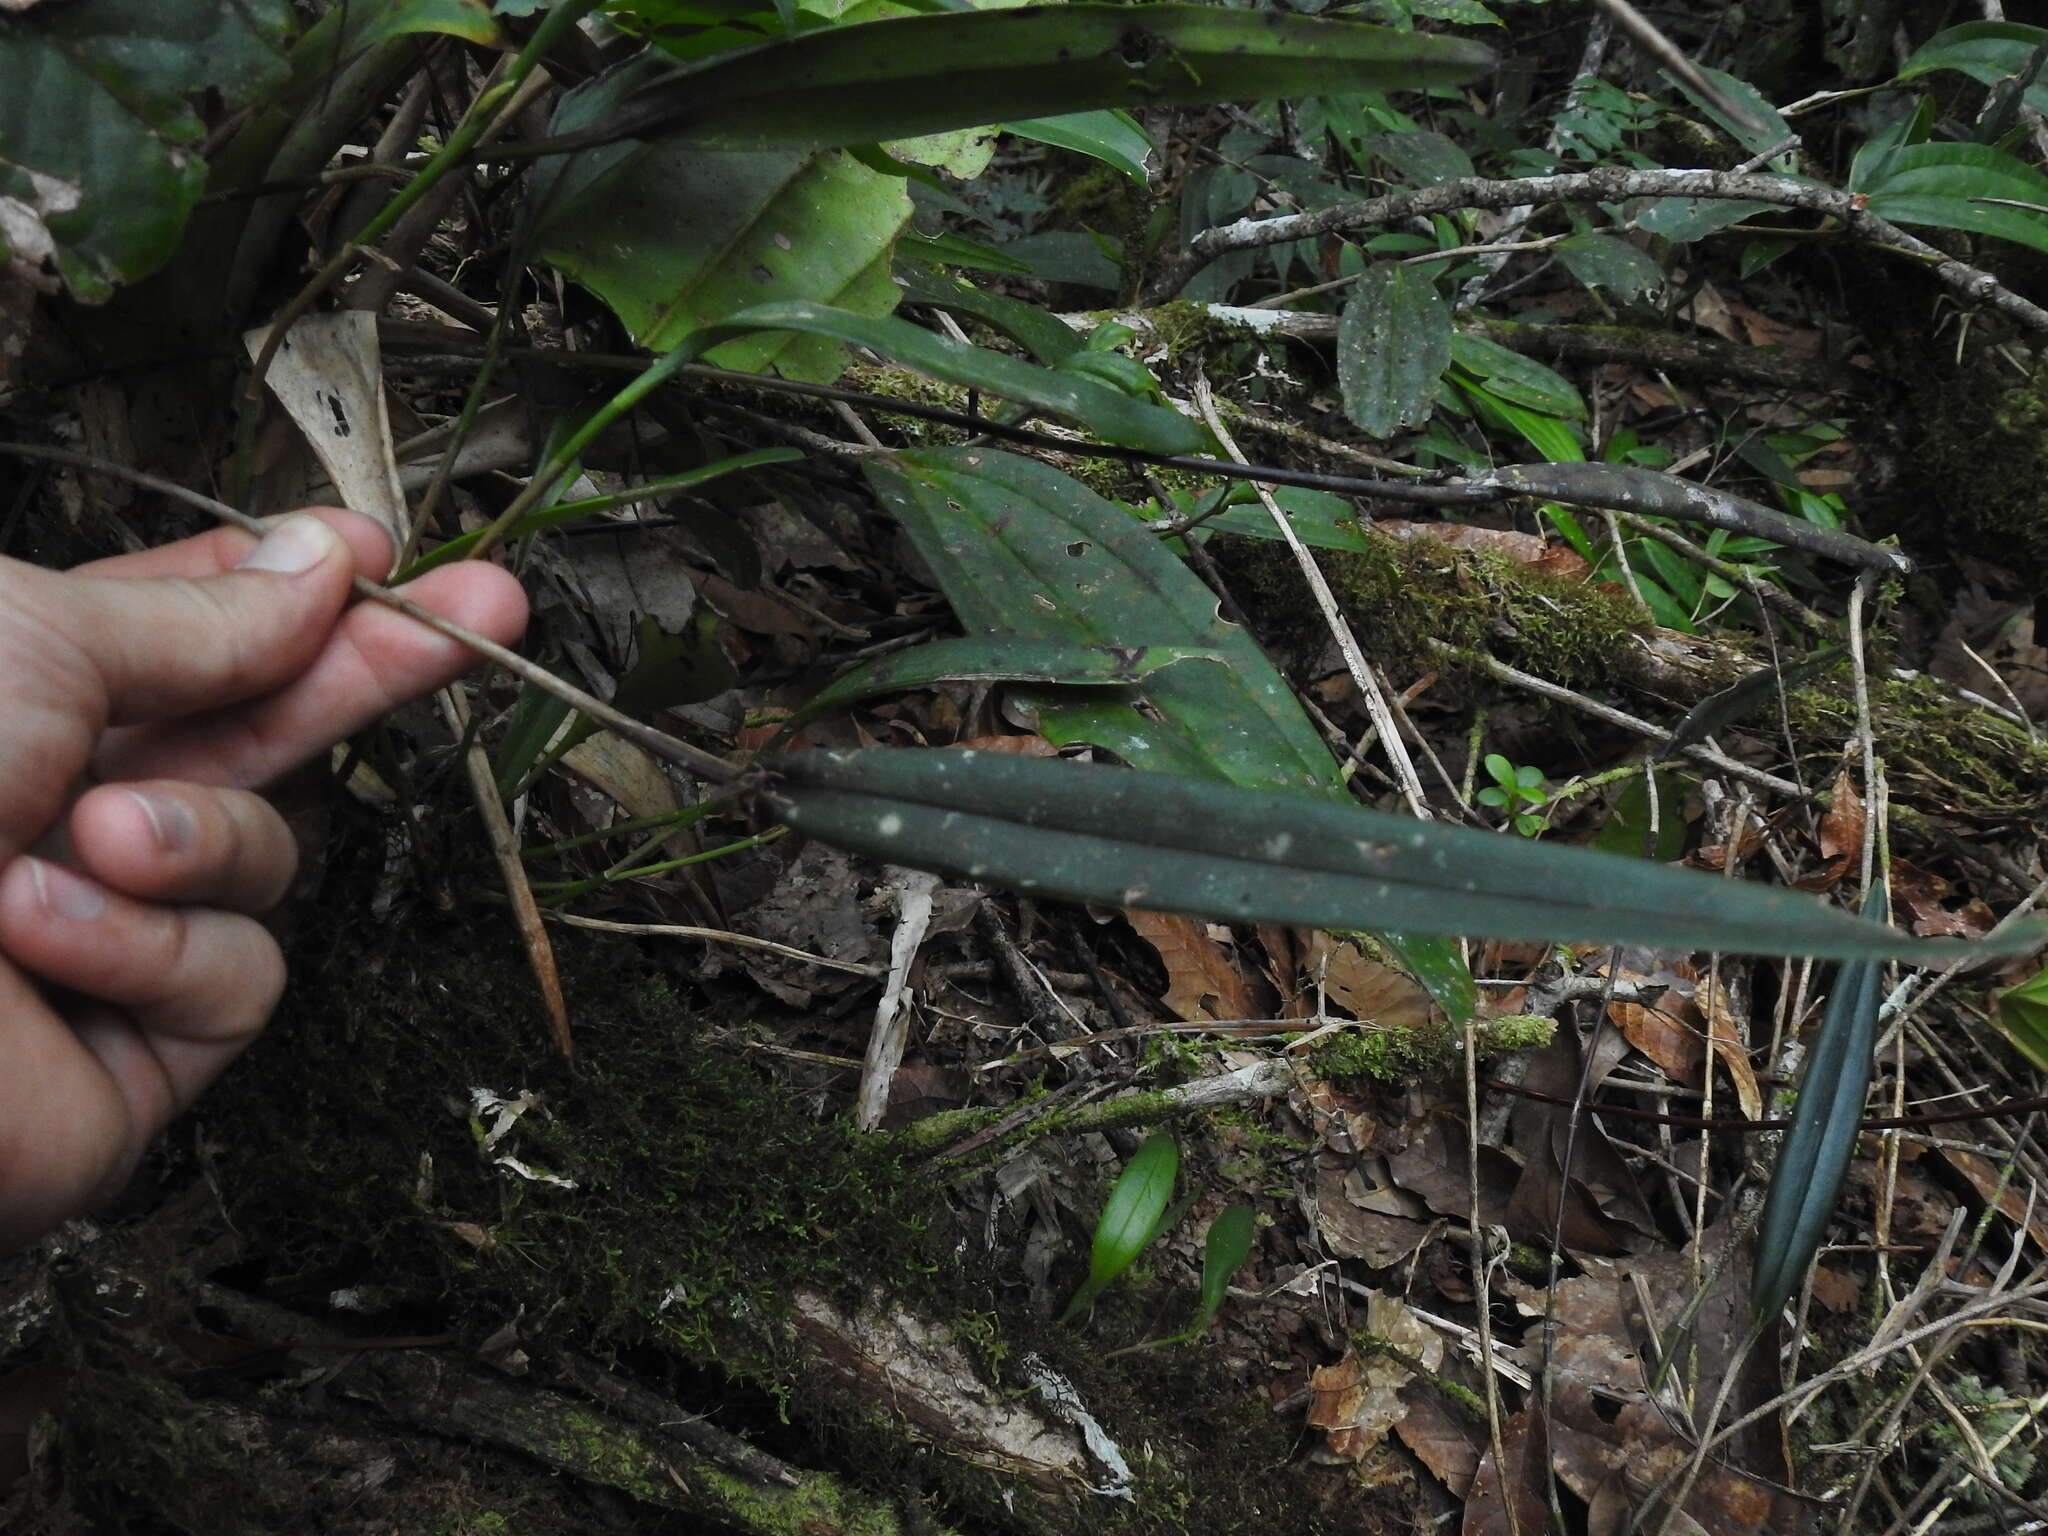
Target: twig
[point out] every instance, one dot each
(1606, 185)
(693, 759)
(1363, 676)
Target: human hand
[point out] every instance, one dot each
(174, 681)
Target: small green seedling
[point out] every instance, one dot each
(1135, 1214)
(1512, 789)
(1228, 1245)
(2023, 1015)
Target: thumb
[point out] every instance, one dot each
(166, 647)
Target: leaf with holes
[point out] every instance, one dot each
(1393, 344)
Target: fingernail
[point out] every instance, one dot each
(63, 894)
(296, 544)
(171, 822)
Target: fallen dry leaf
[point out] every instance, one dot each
(1982, 1175)
(1363, 987)
(1357, 1400)
(1523, 1485)
(1202, 977)
(1379, 1233)
(1525, 548)
(1445, 1442)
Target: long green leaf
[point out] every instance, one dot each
(1114, 138)
(1131, 1218)
(1228, 1245)
(1936, 184)
(1111, 413)
(1091, 833)
(1002, 660)
(1814, 1157)
(1986, 51)
(925, 74)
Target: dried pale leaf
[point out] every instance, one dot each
(1712, 998)
(1591, 1344)
(329, 378)
(1725, 1501)
(1840, 833)
(1202, 978)
(1652, 1029)
(1357, 1400)
(1434, 1166)
(1834, 1290)
(1930, 902)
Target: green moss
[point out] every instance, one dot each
(1407, 1055)
(1405, 594)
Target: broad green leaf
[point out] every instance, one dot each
(1934, 184)
(348, 30)
(1317, 517)
(1814, 1157)
(1424, 158)
(1046, 338)
(925, 74)
(948, 249)
(1517, 379)
(99, 163)
(1001, 660)
(1393, 343)
(1112, 137)
(1765, 132)
(1110, 413)
(1627, 828)
(1023, 552)
(1986, 51)
(1092, 833)
(2023, 1017)
(1682, 219)
(674, 239)
(1606, 261)
(1131, 1219)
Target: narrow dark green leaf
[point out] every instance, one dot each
(1814, 1157)
(1393, 344)
(1717, 711)
(1113, 415)
(925, 74)
(1987, 51)
(1438, 964)
(1045, 337)
(1091, 833)
(1001, 660)
(1131, 1218)
(1520, 380)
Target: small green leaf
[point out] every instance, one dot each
(1517, 379)
(2023, 1016)
(1814, 1157)
(1227, 1246)
(1393, 343)
(1131, 1218)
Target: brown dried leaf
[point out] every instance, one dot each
(1983, 1176)
(1202, 978)
(1524, 1483)
(1835, 1290)
(1446, 1443)
(1926, 898)
(1365, 988)
(1357, 1400)
(1651, 1029)
(1351, 1230)
(1434, 1165)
